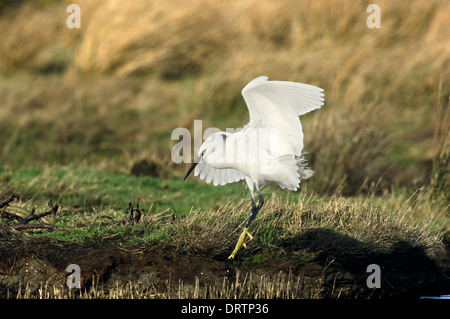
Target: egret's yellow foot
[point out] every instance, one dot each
(240, 242)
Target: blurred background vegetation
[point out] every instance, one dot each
(108, 95)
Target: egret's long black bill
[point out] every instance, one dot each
(190, 170)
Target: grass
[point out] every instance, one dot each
(110, 105)
(304, 228)
(86, 117)
(87, 195)
(280, 286)
(210, 228)
(88, 189)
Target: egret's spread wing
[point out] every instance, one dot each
(219, 176)
(278, 104)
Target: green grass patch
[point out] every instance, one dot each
(89, 189)
(199, 218)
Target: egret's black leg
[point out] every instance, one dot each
(255, 209)
(261, 200)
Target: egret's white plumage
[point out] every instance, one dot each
(279, 104)
(267, 149)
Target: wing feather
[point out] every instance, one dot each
(218, 176)
(222, 176)
(278, 104)
(204, 172)
(199, 168)
(210, 176)
(231, 176)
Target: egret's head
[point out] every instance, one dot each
(213, 143)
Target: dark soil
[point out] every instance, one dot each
(321, 271)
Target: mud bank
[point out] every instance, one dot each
(34, 268)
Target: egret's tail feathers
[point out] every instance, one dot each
(304, 171)
(292, 170)
(287, 175)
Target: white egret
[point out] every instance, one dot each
(267, 149)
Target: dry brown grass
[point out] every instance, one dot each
(112, 91)
(249, 286)
(372, 228)
(342, 229)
